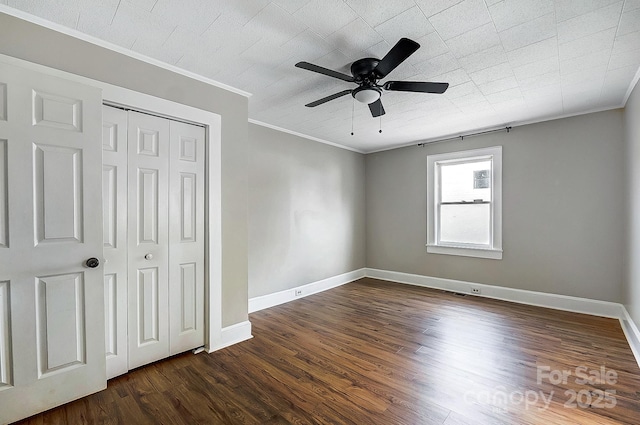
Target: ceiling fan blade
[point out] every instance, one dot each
(324, 71)
(376, 108)
(417, 86)
(328, 98)
(398, 53)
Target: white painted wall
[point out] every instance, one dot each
(306, 211)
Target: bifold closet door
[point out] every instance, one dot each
(153, 191)
(186, 237)
(148, 228)
(114, 213)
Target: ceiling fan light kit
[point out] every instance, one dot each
(367, 71)
(366, 94)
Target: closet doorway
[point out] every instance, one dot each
(154, 237)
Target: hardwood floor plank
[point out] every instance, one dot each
(375, 352)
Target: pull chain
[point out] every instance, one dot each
(353, 107)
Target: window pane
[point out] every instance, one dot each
(465, 223)
(466, 182)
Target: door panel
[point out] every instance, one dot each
(58, 193)
(109, 205)
(148, 164)
(188, 207)
(147, 140)
(5, 337)
(111, 316)
(148, 208)
(186, 237)
(51, 304)
(3, 102)
(188, 296)
(148, 306)
(52, 110)
(4, 202)
(114, 196)
(60, 318)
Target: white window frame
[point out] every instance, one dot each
(494, 249)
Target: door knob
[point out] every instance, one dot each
(148, 256)
(92, 262)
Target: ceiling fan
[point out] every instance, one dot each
(367, 71)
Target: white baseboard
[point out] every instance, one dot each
(271, 300)
(232, 335)
(632, 333)
(522, 296)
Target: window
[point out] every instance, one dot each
(464, 203)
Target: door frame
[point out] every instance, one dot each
(124, 98)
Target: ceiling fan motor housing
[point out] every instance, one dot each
(362, 70)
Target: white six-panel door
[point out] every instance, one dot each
(153, 195)
(51, 303)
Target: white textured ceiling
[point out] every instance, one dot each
(506, 61)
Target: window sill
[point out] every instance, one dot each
(494, 254)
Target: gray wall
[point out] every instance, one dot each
(306, 211)
(33, 43)
(632, 138)
(563, 209)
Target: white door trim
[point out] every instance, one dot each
(120, 96)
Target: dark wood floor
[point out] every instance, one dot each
(373, 352)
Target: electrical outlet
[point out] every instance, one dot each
(475, 291)
(298, 292)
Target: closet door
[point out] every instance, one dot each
(148, 139)
(114, 213)
(186, 237)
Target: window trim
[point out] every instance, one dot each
(494, 250)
